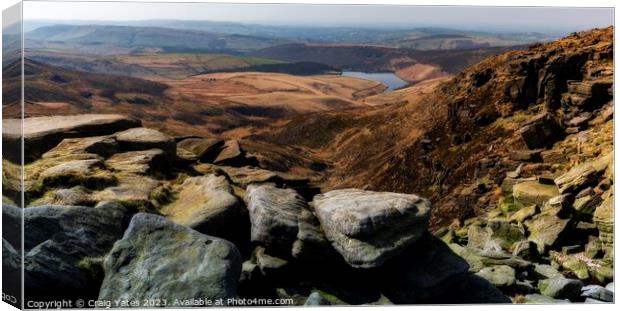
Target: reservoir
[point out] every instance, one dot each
(391, 80)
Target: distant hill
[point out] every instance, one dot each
(78, 91)
(425, 38)
(377, 58)
(147, 65)
(140, 38)
(298, 68)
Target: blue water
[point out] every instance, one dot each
(391, 80)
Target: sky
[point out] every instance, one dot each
(520, 19)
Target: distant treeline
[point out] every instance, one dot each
(297, 68)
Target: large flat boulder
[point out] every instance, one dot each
(43, 133)
(367, 227)
(158, 259)
(62, 244)
(207, 204)
(141, 138)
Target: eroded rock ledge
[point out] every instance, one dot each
(136, 217)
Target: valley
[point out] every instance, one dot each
(437, 165)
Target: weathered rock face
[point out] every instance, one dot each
(43, 133)
(203, 267)
(311, 244)
(139, 162)
(540, 131)
(274, 216)
(207, 204)
(141, 138)
(366, 227)
(282, 222)
(63, 245)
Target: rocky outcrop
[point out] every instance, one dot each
(520, 178)
(284, 236)
(41, 134)
(367, 228)
(148, 263)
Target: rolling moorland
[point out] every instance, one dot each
(487, 178)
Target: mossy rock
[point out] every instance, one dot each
(508, 233)
(603, 273)
(533, 193)
(523, 214)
